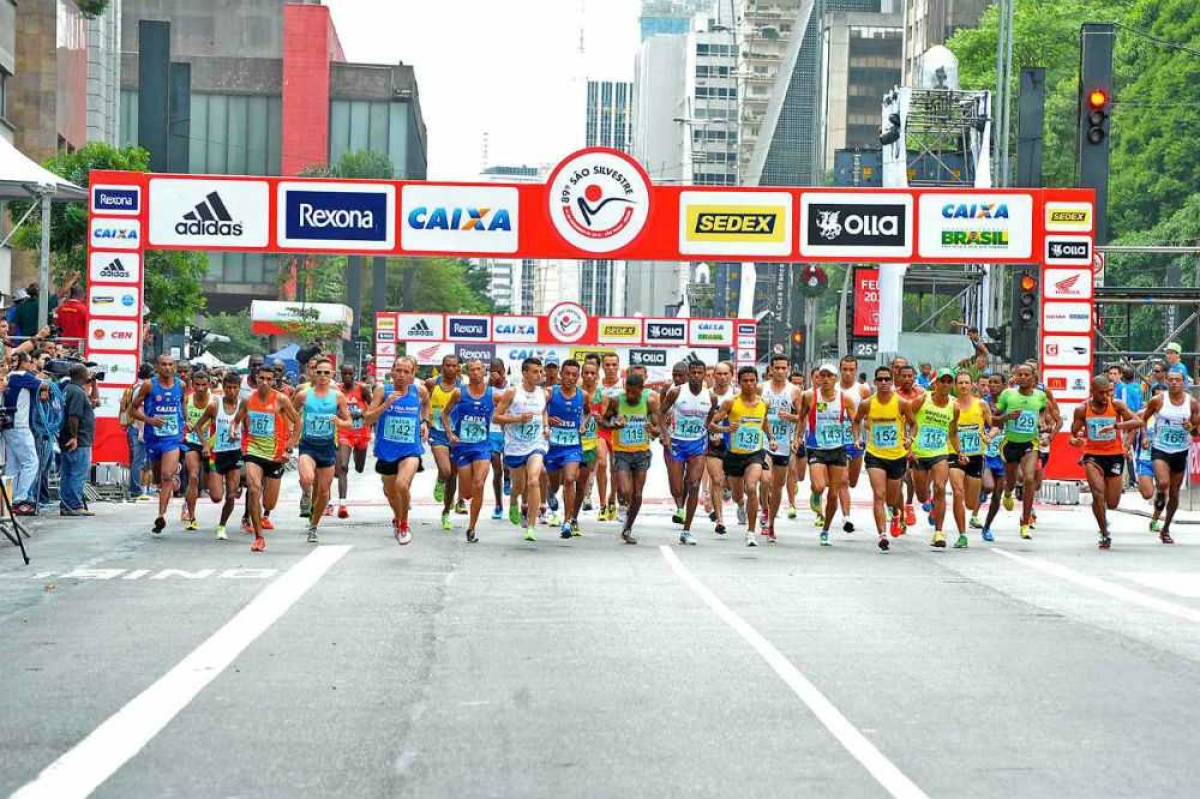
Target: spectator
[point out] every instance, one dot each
(27, 312)
(1134, 397)
(75, 439)
(73, 317)
(1174, 364)
(20, 296)
(249, 383)
(1157, 381)
(306, 354)
(46, 421)
(20, 451)
(925, 378)
(133, 434)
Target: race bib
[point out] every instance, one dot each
(688, 428)
(472, 430)
(400, 429)
(747, 439)
(227, 437)
(318, 425)
(589, 429)
(528, 431)
(781, 431)
(262, 424)
(848, 433)
(993, 447)
(356, 418)
(634, 432)
(831, 435)
(885, 435)
(1025, 423)
(1170, 436)
(969, 441)
(931, 438)
(170, 426)
(564, 436)
(1101, 428)
(437, 419)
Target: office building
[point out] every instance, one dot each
(671, 17)
(270, 93)
(932, 22)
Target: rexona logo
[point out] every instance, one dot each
(599, 200)
(470, 219)
(332, 216)
(735, 223)
(209, 212)
(568, 322)
(123, 200)
(468, 327)
(850, 224)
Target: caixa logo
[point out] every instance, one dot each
(511, 329)
(469, 328)
(120, 234)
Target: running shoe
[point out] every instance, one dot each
(1032, 520)
(1009, 503)
(507, 485)
(848, 527)
(927, 506)
(627, 537)
(1105, 542)
(498, 513)
(791, 511)
(678, 516)
(439, 491)
(770, 535)
(566, 531)
(267, 524)
(471, 539)
(824, 538)
(910, 516)
(983, 497)
(751, 541)
(932, 521)
(543, 517)
(553, 502)
(403, 535)
(143, 498)
(883, 543)
(602, 515)
(460, 507)
(1165, 537)
(1025, 532)
(986, 535)
(446, 521)
(555, 520)
(897, 527)
(712, 515)
(741, 514)
(1155, 525)
(687, 539)
(259, 545)
(939, 540)
(192, 524)
(962, 542)
(622, 515)
(612, 512)
(575, 531)
(727, 494)
(342, 512)
(587, 504)
(221, 533)
(764, 522)
(974, 522)
(530, 535)
(719, 529)
(312, 535)
(514, 514)
(247, 528)
(814, 503)
(160, 524)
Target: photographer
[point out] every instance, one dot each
(21, 459)
(75, 440)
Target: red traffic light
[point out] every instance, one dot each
(1097, 99)
(1028, 282)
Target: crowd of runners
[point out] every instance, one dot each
(556, 441)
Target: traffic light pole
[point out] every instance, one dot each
(1095, 110)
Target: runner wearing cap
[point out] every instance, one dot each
(610, 387)
(934, 413)
(858, 392)
(994, 480)
(826, 410)
(799, 461)
(1174, 364)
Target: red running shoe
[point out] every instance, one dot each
(342, 512)
(247, 528)
(259, 544)
(267, 524)
(910, 516)
(897, 528)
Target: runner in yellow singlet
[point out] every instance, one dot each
(968, 437)
(745, 433)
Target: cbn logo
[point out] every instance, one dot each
(735, 223)
(975, 211)
(477, 219)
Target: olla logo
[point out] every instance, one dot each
(568, 322)
(599, 200)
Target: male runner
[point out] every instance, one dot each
(908, 390)
(934, 414)
(589, 438)
(400, 414)
(195, 445)
(689, 407)
(498, 380)
(679, 376)
(522, 411)
(722, 391)
(264, 419)
(994, 481)
(1097, 427)
(611, 387)
(799, 465)
(858, 393)
(1175, 417)
(968, 432)
(633, 417)
(352, 443)
(467, 419)
(568, 414)
(1020, 410)
(440, 390)
(323, 412)
(744, 432)
(550, 373)
(827, 410)
(887, 420)
(783, 414)
(159, 404)
(226, 446)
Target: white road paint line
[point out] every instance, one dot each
(93, 760)
(875, 762)
(1184, 584)
(1104, 587)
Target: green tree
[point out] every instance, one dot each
(174, 293)
(242, 342)
(434, 284)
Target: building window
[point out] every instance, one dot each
(3, 94)
(528, 281)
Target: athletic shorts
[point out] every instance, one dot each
(465, 454)
(922, 464)
(828, 457)
(895, 467)
(1176, 460)
(519, 461)
(355, 439)
(1110, 465)
(227, 461)
(631, 461)
(272, 470)
(323, 453)
(801, 452)
(389, 468)
(558, 457)
(736, 465)
(717, 449)
(995, 464)
(496, 439)
(778, 461)
(589, 458)
(190, 447)
(437, 438)
(973, 467)
(1013, 451)
(684, 451)
(155, 450)
(853, 452)
(1145, 469)
(1043, 457)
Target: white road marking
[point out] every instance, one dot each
(93, 760)
(1104, 587)
(1184, 584)
(875, 762)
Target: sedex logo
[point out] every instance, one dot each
(336, 215)
(210, 217)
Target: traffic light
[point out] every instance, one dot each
(797, 346)
(1025, 316)
(999, 339)
(813, 280)
(1097, 106)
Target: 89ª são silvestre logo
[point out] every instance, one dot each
(599, 200)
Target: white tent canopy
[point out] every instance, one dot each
(208, 360)
(23, 179)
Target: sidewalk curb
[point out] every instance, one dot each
(1145, 514)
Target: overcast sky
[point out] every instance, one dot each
(510, 69)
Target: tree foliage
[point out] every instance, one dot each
(437, 285)
(241, 341)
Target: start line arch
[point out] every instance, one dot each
(597, 203)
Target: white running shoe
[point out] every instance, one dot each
(751, 540)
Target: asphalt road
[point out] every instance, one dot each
(588, 668)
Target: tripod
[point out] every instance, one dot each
(10, 526)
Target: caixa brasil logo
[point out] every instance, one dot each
(599, 200)
(996, 235)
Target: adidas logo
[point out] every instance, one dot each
(1067, 284)
(420, 330)
(116, 269)
(209, 218)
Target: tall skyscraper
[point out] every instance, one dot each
(670, 17)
